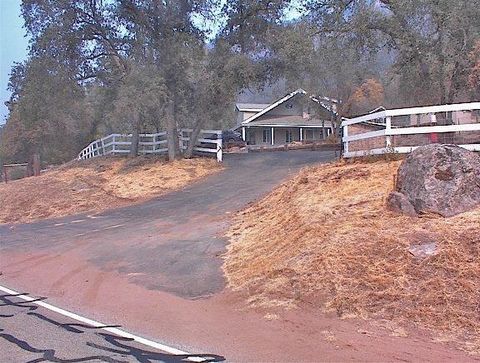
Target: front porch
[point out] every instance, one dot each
(282, 135)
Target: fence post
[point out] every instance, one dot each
(388, 127)
(113, 145)
(219, 150)
(345, 141)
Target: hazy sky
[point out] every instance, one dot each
(13, 46)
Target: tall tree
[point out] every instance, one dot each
(141, 98)
(428, 38)
(48, 112)
(164, 34)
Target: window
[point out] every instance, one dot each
(288, 136)
(267, 135)
(309, 134)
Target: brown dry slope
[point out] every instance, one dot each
(326, 237)
(95, 185)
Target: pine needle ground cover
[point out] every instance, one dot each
(97, 184)
(325, 237)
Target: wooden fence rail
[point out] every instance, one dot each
(403, 130)
(210, 142)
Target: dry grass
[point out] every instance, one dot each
(97, 185)
(326, 238)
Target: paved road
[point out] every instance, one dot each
(172, 243)
(29, 333)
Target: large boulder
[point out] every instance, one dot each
(398, 202)
(440, 179)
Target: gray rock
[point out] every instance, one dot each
(398, 202)
(440, 179)
(423, 250)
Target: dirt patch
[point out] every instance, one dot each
(97, 185)
(326, 238)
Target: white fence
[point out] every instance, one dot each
(209, 142)
(402, 130)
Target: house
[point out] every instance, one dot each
(294, 117)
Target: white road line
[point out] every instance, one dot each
(112, 227)
(98, 230)
(97, 324)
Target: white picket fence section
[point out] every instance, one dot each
(209, 142)
(462, 124)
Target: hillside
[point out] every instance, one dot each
(325, 238)
(97, 184)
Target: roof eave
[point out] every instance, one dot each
(249, 109)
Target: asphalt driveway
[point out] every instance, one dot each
(172, 243)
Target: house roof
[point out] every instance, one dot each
(252, 107)
(289, 121)
(273, 105)
(327, 103)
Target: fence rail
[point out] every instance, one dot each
(210, 142)
(403, 130)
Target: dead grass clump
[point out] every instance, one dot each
(326, 237)
(97, 184)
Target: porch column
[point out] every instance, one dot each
(301, 134)
(243, 134)
(273, 137)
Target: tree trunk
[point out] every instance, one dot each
(33, 164)
(36, 164)
(336, 126)
(453, 83)
(442, 68)
(176, 135)
(172, 137)
(135, 136)
(193, 139)
(29, 171)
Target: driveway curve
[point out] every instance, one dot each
(172, 243)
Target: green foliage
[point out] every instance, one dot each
(48, 114)
(428, 41)
(142, 92)
(249, 22)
